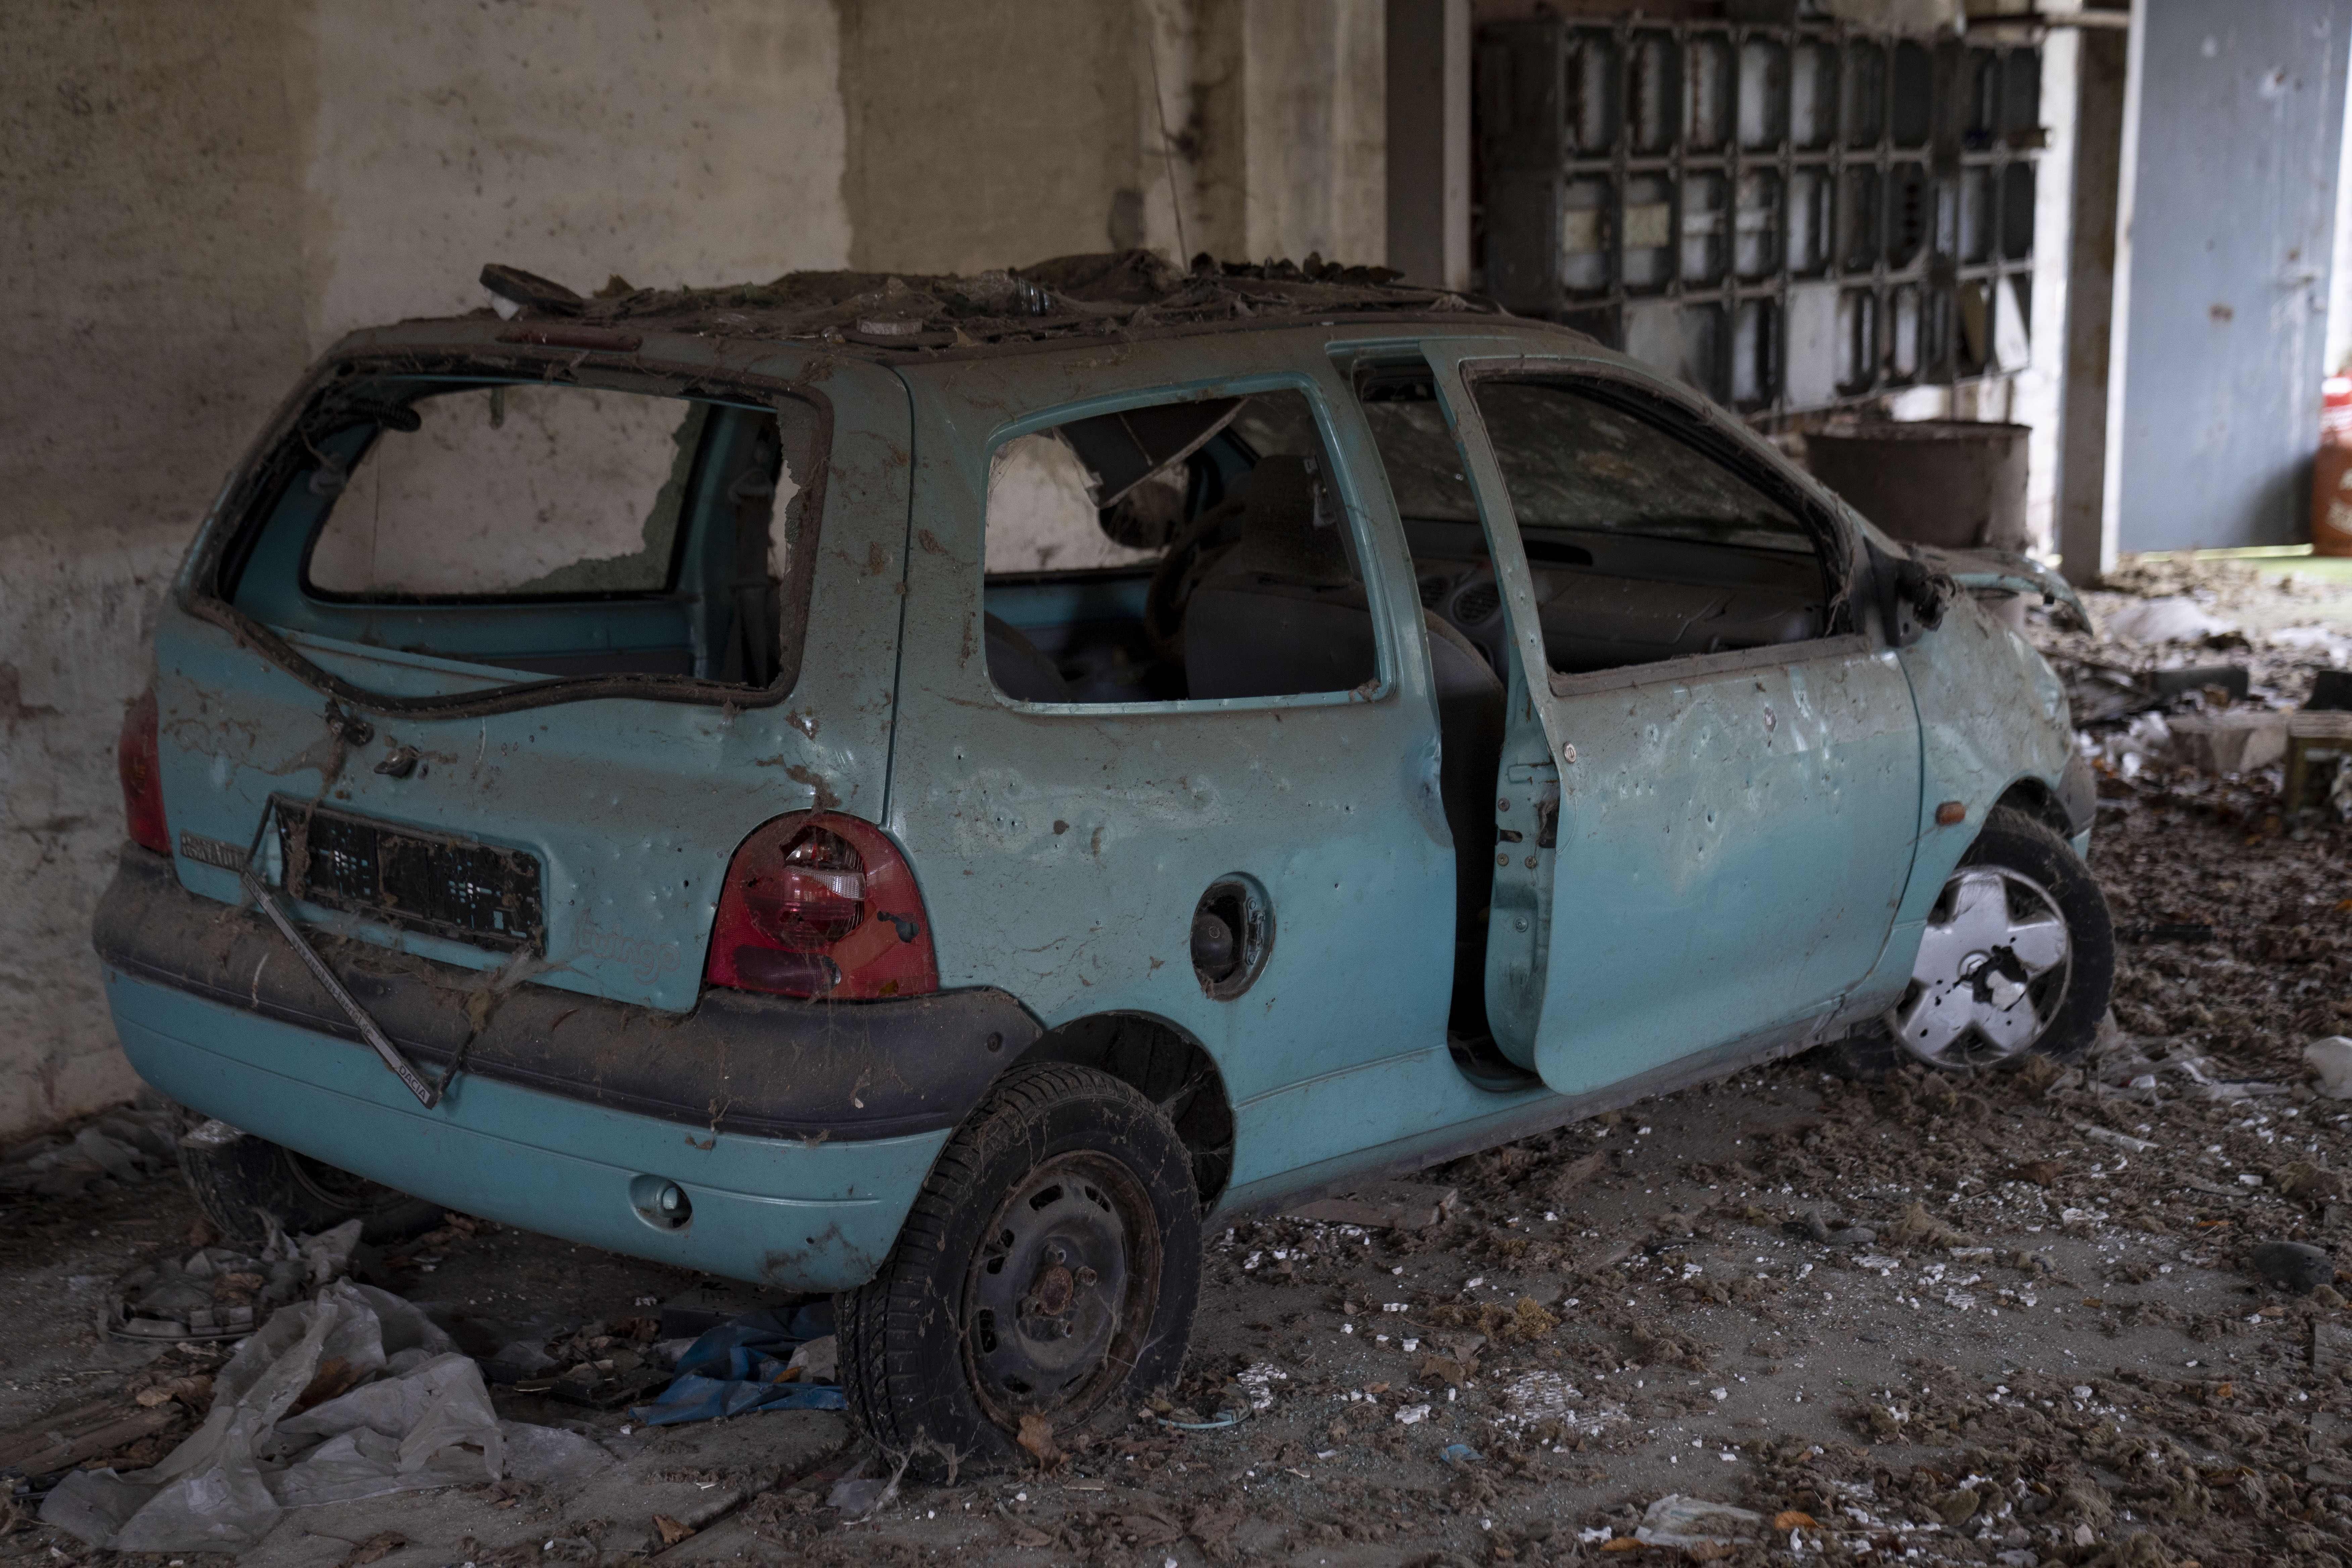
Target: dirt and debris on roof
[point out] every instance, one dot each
(1070, 296)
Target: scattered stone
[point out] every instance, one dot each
(2331, 1058)
(1383, 1205)
(1571, 1177)
(2234, 740)
(2294, 1267)
(2307, 1182)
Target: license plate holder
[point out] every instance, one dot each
(436, 883)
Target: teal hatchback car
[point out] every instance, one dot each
(933, 789)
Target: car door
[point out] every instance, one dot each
(1071, 803)
(1710, 788)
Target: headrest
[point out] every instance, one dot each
(1291, 526)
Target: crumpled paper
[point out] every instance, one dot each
(354, 1394)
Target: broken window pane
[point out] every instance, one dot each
(1190, 549)
(538, 528)
(520, 490)
(1641, 546)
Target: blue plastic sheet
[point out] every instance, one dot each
(738, 1367)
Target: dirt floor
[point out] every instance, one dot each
(2012, 1318)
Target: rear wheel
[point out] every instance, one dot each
(237, 1178)
(1049, 1270)
(2017, 959)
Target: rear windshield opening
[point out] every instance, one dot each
(539, 529)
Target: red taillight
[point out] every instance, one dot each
(138, 757)
(821, 905)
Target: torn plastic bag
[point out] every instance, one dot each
(207, 1494)
(1679, 1521)
(741, 1366)
(414, 1415)
(431, 1426)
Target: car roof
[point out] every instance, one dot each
(892, 317)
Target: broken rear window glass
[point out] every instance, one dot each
(541, 529)
(514, 490)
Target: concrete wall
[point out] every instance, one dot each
(152, 267)
(993, 131)
(578, 139)
(194, 210)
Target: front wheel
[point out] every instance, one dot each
(1048, 1269)
(2017, 959)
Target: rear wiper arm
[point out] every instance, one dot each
(378, 1041)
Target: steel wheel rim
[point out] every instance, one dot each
(1992, 972)
(1061, 1290)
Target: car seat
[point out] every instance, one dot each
(1285, 612)
(1017, 667)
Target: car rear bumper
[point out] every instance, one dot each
(569, 1113)
(767, 1066)
(796, 1215)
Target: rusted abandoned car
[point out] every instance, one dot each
(931, 790)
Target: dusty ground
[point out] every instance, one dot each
(2030, 1335)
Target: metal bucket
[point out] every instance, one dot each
(1949, 482)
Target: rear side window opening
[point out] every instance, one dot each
(604, 532)
(1194, 549)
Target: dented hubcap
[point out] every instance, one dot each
(1990, 973)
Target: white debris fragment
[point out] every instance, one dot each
(1258, 1382)
(1413, 1414)
(2332, 1060)
(2109, 1135)
(1538, 1397)
(2172, 619)
(1677, 1521)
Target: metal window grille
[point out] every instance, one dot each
(1789, 218)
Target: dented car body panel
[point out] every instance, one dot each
(1069, 845)
(1696, 861)
(1774, 788)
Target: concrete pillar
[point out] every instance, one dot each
(2233, 117)
(1315, 83)
(2086, 547)
(1429, 141)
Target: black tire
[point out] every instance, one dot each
(236, 1180)
(941, 1353)
(2068, 999)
